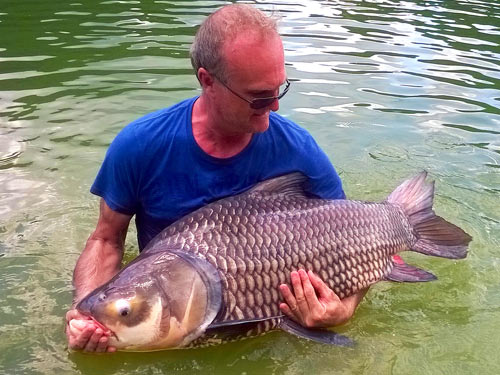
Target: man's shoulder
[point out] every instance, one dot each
(164, 116)
(149, 132)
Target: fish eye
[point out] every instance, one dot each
(123, 307)
(124, 312)
(102, 297)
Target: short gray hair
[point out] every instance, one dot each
(224, 25)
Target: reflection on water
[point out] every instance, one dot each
(387, 88)
(10, 150)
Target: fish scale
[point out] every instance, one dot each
(347, 243)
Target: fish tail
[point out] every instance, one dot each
(435, 235)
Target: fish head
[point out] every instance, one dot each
(161, 301)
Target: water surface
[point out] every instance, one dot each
(387, 88)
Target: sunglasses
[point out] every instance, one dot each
(259, 103)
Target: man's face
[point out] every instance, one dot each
(256, 68)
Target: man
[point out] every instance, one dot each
(175, 160)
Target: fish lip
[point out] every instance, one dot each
(102, 326)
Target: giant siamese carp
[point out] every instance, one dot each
(213, 276)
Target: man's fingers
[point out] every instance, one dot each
(102, 344)
(77, 325)
(321, 288)
(298, 291)
(71, 314)
(309, 292)
(91, 345)
(75, 314)
(288, 297)
(290, 308)
(286, 310)
(79, 341)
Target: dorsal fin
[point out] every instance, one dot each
(289, 184)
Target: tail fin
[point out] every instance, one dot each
(435, 236)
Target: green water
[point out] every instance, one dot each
(388, 88)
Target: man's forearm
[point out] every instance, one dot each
(98, 263)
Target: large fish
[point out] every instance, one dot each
(213, 275)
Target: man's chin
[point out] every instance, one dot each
(260, 123)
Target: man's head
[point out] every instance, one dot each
(224, 26)
(238, 57)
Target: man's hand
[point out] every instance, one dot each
(313, 304)
(84, 334)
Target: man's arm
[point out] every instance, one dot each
(313, 304)
(99, 261)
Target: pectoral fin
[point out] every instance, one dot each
(319, 335)
(229, 330)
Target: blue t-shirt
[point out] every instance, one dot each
(155, 169)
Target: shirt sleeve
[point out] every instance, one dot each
(324, 181)
(118, 178)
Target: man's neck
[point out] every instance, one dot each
(210, 136)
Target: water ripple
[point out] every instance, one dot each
(387, 88)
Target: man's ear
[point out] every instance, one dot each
(205, 78)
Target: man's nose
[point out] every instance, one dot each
(275, 105)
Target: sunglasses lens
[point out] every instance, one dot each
(266, 102)
(261, 103)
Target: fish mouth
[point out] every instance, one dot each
(105, 329)
(102, 326)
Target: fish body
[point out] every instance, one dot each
(213, 275)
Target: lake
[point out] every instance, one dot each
(387, 88)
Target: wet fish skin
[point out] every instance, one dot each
(257, 238)
(256, 242)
